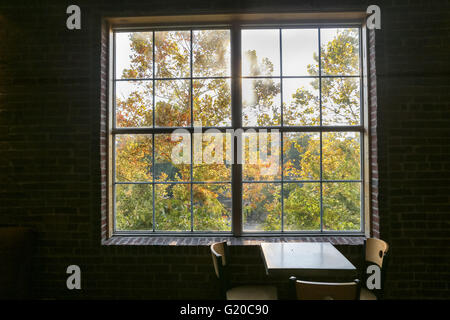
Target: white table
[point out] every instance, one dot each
(306, 260)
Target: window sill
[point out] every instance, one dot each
(241, 241)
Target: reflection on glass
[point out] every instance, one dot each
(261, 102)
(133, 157)
(300, 52)
(211, 53)
(134, 103)
(212, 102)
(212, 156)
(172, 157)
(301, 104)
(212, 207)
(173, 207)
(134, 207)
(301, 156)
(342, 206)
(134, 55)
(261, 206)
(261, 156)
(301, 206)
(340, 101)
(339, 51)
(341, 155)
(172, 54)
(261, 52)
(172, 103)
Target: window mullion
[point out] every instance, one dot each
(192, 134)
(281, 133)
(153, 135)
(236, 116)
(321, 132)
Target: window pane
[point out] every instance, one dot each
(212, 102)
(301, 206)
(173, 207)
(339, 51)
(211, 53)
(301, 102)
(261, 102)
(134, 207)
(300, 52)
(261, 207)
(341, 155)
(172, 103)
(134, 158)
(342, 206)
(261, 52)
(340, 101)
(172, 157)
(261, 156)
(212, 207)
(301, 156)
(172, 54)
(212, 157)
(134, 103)
(134, 55)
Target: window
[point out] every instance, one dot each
(238, 129)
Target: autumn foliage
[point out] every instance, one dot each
(154, 90)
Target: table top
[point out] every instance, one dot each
(295, 256)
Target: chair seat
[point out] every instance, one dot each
(252, 293)
(367, 295)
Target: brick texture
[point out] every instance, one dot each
(52, 105)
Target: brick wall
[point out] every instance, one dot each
(373, 138)
(50, 164)
(413, 140)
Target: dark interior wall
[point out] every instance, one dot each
(50, 159)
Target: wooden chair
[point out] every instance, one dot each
(220, 256)
(306, 290)
(375, 253)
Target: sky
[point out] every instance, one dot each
(299, 45)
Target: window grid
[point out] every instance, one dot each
(282, 129)
(154, 131)
(307, 129)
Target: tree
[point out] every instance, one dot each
(341, 152)
(211, 102)
(261, 106)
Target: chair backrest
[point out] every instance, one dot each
(375, 250)
(219, 254)
(306, 290)
(375, 253)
